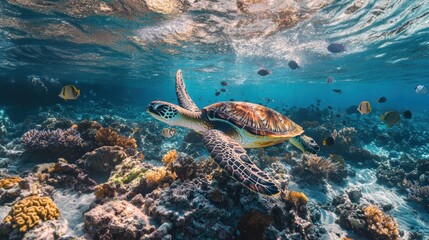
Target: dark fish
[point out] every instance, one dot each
(329, 80)
(338, 115)
(293, 65)
(407, 114)
(263, 72)
(329, 107)
(217, 93)
(224, 83)
(339, 91)
(232, 100)
(329, 141)
(223, 90)
(336, 48)
(382, 100)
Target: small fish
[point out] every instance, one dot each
(421, 89)
(293, 64)
(329, 141)
(69, 92)
(364, 107)
(232, 99)
(382, 100)
(329, 107)
(224, 83)
(407, 114)
(329, 80)
(264, 72)
(336, 47)
(390, 118)
(339, 91)
(223, 90)
(217, 93)
(168, 132)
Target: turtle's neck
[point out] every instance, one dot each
(192, 120)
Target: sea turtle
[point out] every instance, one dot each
(228, 128)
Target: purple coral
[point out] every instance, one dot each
(418, 193)
(51, 140)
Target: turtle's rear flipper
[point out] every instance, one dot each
(233, 158)
(183, 97)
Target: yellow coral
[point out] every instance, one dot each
(155, 176)
(108, 137)
(10, 182)
(30, 211)
(381, 225)
(170, 157)
(104, 190)
(296, 198)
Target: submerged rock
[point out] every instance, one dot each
(103, 159)
(116, 220)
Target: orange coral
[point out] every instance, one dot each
(31, 211)
(296, 198)
(108, 137)
(380, 225)
(10, 182)
(104, 190)
(170, 157)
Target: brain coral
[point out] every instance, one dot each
(31, 211)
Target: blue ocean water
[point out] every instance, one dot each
(123, 54)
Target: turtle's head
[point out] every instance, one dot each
(305, 143)
(164, 111)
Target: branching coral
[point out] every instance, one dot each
(8, 183)
(108, 137)
(380, 225)
(51, 141)
(314, 168)
(418, 193)
(297, 199)
(347, 135)
(155, 176)
(170, 157)
(31, 211)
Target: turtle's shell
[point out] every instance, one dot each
(253, 118)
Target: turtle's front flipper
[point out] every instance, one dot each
(305, 143)
(231, 157)
(183, 97)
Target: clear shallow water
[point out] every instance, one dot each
(127, 53)
(132, 47)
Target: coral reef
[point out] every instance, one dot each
(253, 225)
(365, 219)
(56, 143)
(297, 199)
(170, 157)
(418, 193)
(108, 137)
(63, 174)
(9, 182)
(380, 225)
(103, 159)
(30, 211)
(313, 168)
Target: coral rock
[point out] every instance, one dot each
(116, 220)
(103, 159)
